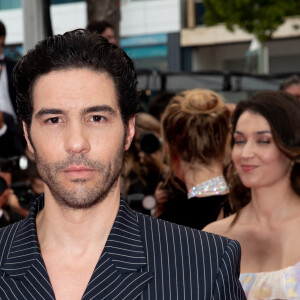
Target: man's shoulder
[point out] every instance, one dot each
(160, 231)
(7, 235)
(203, 264)
(8, 230)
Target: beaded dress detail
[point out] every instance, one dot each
(214, 186)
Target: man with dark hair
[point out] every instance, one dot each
(104, 28)
(11, 142)
(291, 85)
(7, 92)
(77, 96)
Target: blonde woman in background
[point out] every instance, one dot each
(195, 128)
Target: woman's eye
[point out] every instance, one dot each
(239, 142)
(264, 141)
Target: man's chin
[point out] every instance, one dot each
(78, 203)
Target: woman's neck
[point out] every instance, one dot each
(196, 173)
(273, 203)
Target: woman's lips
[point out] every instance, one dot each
(248, 168)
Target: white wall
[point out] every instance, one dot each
(67, 17)
(137, 18)
(13, 21)
(150, 17)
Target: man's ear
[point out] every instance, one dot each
(130, 131)
(29, 144)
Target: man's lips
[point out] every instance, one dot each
(248, 168)
(78, 172)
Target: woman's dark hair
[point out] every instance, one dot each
(76, 49)
(282, 112)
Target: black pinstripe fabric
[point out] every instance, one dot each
(144, 258)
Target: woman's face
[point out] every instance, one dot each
(256, 157)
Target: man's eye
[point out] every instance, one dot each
(96, 119)
(54, 120)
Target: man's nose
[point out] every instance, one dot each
(76, 139)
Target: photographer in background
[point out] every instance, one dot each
(10, 208)
(11, 142)
(143, 167)
(5, 181)
(20, 184)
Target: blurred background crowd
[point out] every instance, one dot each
(217, 142)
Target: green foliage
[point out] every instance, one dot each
(260, 17)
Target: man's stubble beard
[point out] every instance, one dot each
(81, 196)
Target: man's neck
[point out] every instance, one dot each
(75, 230)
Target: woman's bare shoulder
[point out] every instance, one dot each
(220, 227)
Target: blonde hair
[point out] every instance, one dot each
(195, 126)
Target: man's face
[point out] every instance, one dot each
(109, 34)
(77, 136)
(2, 38)
(294, 89)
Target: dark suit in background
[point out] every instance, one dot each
(12, 142)
(144, 258)
(10, 64)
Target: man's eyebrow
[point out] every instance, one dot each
(99, 108)
(49, 111)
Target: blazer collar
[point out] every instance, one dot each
(124, 245)
(24, 249)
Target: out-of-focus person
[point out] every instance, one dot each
(105, 29)
(195, 128)
(11, 142)
(291, 85)
(143, 164)
(158, 104)
(7, 91)
(266, 195)
(10, 208)
(5, 181)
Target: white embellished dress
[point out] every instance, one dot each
(279, 284)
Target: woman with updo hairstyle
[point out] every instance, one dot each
(195, 127)
(265, 193)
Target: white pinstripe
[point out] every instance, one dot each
(144, 258)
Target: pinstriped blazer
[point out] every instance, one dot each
(144, 258)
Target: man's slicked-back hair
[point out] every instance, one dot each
(75, 50)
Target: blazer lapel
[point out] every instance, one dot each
(121, 270)
(119, 274)
(24, 267)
